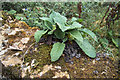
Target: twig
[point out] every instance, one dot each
(27, 51)
(79, 6)
(105, 15)
(22, 66)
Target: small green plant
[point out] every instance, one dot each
(30, 12)
(58, 26)
(31, 17)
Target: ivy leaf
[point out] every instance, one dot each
(77, 35)
(39, 34)
(90, 33)
(87, 48)
(57, 51)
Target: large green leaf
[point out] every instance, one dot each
(48, 25)
(61, 26)
(75, 25)
(54, 28)
(43, 26)
(58, 18)
(61, 21)
(39, 34)
(53, 14)
(57, 51)
(90, 33)
(59, 34)
(73, 19)
(46, 19)
(77, 35)
(87, 48)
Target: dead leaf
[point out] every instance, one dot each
(16, 54)
(83, 69)
(22, 25)
(33, 76)
(94, 61)
(21, 46)
(23, 74)
(61, 75)
(3, 51)
(34, 29)
(57, 67)
(33, 63)
(1, 19)
(1, 39)
(12, 62)
(13, 32)
(46, 68)
(25, 40)
(6, 26)
(17, 29)
(17, 46)
(25, 70)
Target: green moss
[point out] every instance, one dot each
(42, 55)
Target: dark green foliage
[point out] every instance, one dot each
(59, 27)
(63, 23)
(33, 10)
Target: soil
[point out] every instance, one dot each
(72, 64)
(103, 66)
